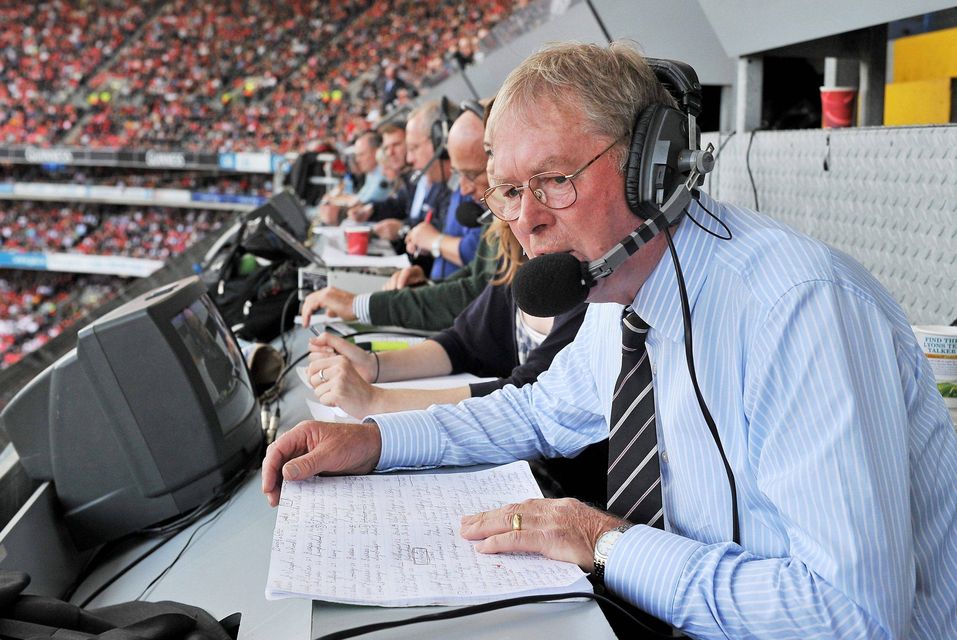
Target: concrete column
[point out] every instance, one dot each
(748, 94)
(726, 112)
(873, 72)
(841, 72)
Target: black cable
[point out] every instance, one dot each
(103, 587)
(271, 394)
(282, 320)
(468, 83)
(711, 173)
(747, 163)
(716, 219)
(223, 493)
(689, 356)
(723, 145)
(472, 610)
(222, 510)
(168, 530)
(601, 24)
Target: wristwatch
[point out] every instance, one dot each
(604, 546)
(437, 246)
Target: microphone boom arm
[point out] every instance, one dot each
(670, 214)
(699, 163)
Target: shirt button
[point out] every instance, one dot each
(664, 457)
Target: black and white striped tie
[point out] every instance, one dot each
(634, 476)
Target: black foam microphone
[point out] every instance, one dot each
(470, 214)
(552, 284)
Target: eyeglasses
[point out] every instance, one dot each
(554, 189)
(470, 175)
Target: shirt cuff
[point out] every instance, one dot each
(645, 566)
(360, 308)
(409, 439)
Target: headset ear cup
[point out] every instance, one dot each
(633, 168)
(439, 132)
(474, 106)
(437, 135)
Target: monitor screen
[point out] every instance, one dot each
(144, 420)
(217, 358)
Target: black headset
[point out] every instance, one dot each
(664, 152)
(663, 170)
(474, 106)
(439, 131)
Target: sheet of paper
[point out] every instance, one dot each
(336, 234)
(393, 540)
(324, 413)
(438, 382)
(334, 257)
(317, 318)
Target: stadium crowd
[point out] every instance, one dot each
(252, 184)
(136, 232)
(47, 51)
(224, 74)
(35, 307)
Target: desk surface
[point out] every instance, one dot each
(224, 571)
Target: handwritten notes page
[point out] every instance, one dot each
(393, 540)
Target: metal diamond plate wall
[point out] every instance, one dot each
(886, 196)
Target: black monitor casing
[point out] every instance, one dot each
(141, 421)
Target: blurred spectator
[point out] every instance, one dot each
(225, 183)
(93, 229)
(365, 167)
(36, 306)
(391, 83)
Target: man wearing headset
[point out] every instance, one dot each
(842, 451)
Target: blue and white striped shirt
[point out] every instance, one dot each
(843, 452)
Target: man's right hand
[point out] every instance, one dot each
(329, 213)
(388, 229)
(336, 302)
(311, 447)
(360, 212)
(405, 278)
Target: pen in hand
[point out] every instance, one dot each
(367, 346)
(428, 220)
(328, 329)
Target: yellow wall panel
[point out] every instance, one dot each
(923, 102)
(926, 56)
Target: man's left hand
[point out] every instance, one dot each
(561, 529)
(420, 238)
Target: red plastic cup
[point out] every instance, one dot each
(357, 240)
(837, 106)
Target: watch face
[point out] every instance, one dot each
(606, 541)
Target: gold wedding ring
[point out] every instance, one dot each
(517, 522)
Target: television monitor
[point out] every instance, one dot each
(281, 212)
(301, 251)
(286, 209)
(144, 419)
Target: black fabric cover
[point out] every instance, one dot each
(36, 617)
